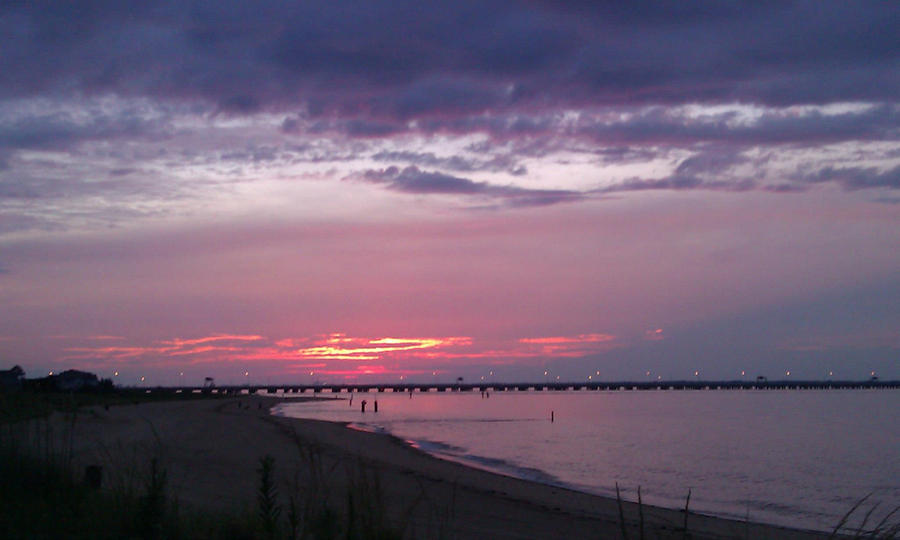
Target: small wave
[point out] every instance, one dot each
(368, 428)
(449, 452)
(432, 447)
(466, 420)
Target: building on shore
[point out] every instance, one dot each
(12, 379)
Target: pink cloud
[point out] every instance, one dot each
(339, 354)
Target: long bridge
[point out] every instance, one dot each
(531, 387)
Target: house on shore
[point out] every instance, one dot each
(73, 380)
(12, 379)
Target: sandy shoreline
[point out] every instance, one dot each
(211, 450)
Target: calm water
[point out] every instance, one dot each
(797, 458)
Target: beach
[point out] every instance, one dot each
(211, 451)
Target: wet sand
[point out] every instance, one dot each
(211, 449)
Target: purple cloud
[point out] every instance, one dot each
(415, 181)
(853, 178)
(411, 59)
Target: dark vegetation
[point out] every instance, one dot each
(887, 528)
(43, 496)
(37, 403)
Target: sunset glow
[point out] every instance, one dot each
(340, 355)
(442, 190)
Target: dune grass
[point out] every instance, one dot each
(42, 495)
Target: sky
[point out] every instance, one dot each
(334, 192)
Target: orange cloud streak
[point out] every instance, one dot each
(340, 347)
(329, 354)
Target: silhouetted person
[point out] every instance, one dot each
(363, 405)
(376, 405)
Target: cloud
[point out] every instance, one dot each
(456, 58)
(415, 181)
(110, 114)
(569, 346)
(330, 355)
(853, 178)
(63, 130)
(341, 347)
(496, 163)
(678, 183)
(714, 171)
(665, 126)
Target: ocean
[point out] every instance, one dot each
(787, 457)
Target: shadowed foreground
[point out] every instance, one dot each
(231, 457)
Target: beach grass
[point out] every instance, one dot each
(44, 494)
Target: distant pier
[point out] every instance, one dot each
(623, 386)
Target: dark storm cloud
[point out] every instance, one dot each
(604, 80)
(415, 181)
(409, 59)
